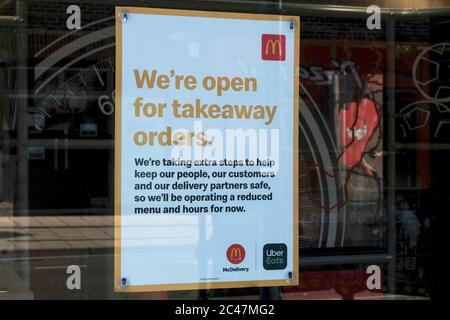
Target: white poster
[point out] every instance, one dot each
(206, 150)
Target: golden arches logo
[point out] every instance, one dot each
(235, 253)
(273, 45)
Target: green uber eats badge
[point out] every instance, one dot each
(275, 256)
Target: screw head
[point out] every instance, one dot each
(292, 25)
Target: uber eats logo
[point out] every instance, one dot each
(275, 256)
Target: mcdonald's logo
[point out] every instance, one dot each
(273, 47)
(235, 253)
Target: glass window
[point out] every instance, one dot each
(372, 140)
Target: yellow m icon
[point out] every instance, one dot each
(236, 254)
(274, 46)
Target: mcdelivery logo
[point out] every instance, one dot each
(273, 47)
(235, 253)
